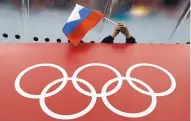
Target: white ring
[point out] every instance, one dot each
(93, 92)
(33, 96)
(130, 115)
(72, 116)
(167, 92)
(120, 82)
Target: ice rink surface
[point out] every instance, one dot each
(48, 23)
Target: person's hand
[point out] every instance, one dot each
(125, 31)
(118, 28)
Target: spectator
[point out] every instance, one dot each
(124, 30)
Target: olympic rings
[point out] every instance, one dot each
(167, 92)
(32, 96)
(130, 115)
(97, 64)
(67, 117)
(93, 94)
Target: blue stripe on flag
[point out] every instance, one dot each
(70, 26)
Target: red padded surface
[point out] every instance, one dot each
(16, 57)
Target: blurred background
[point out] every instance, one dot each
(149, 21)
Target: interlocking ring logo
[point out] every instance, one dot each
(93, 94)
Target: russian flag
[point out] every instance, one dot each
(80, 22)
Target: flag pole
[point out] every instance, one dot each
(110, 20)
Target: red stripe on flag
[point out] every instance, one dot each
(80, 31)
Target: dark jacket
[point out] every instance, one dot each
(110, 39)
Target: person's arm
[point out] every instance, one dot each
(109, 39)
(129, 38)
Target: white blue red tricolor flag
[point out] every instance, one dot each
(80, 22)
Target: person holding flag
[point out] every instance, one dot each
(119, 27)
(82, 20)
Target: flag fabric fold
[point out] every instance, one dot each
(80, 22)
